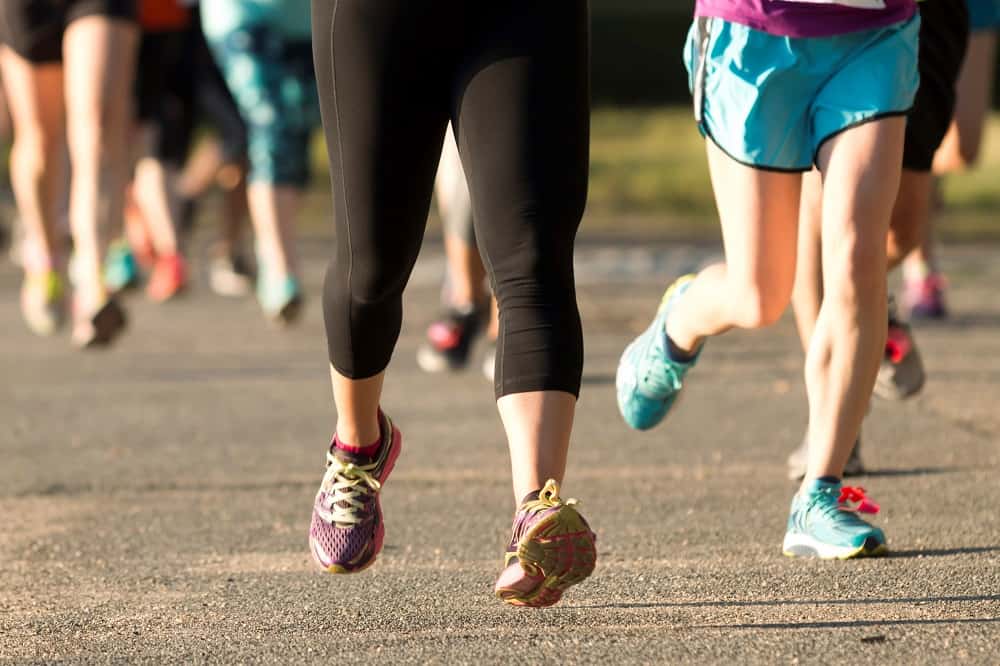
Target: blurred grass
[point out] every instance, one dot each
(649, 176)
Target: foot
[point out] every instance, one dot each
(347, 528)
(42, 302)
(449, 340)
(799, 459)
(648, 380)
(924, 298)
(552, 548)
(100, 327)
(121, 271)
(901, 374)
(168, 279)
(230, 275)
(824, 524)
(280, 298)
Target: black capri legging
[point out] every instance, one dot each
(513, 77)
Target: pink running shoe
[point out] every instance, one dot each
(924, 299)
(552, 548)
(347, 528)
(168, 279)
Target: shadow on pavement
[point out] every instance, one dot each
(849, 623)
(913, 471)
(805, 602)
(943, 552)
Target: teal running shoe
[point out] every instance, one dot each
(120, 268)
(280, 299)
(825, 522)
(648, 380)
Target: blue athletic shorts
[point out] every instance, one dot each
(770, 102)
(984, 14)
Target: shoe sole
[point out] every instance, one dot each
(802, 545)
(679, 285)
(108, 323)
(390, 464)
(562, 550)
(433, 362)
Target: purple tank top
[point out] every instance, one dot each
(809, 18)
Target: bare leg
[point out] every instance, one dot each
(201, 169)
(960, 148)
(357, 403)
(538, 426)
(807, 294)
(154, 188)
(759, 215)
(36, 161)
(466, 273)
(911, 216)
(233, 225)
(861, 170)
(272, 210)
(100, 64)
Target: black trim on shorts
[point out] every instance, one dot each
(857, 123)
(758, 167)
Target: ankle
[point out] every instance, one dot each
(358, 438)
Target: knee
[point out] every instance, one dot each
(35, 149)
(860, 269)
(373, 283)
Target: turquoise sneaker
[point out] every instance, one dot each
(824, 524)
(120, 268)
(648, 380)
(280, 299)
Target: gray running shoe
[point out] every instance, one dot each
(799, 459)
(901, 374)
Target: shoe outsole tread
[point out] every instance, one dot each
(561, 549)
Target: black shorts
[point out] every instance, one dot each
(179, 85)
(163, 85)
(34, 28)
(944, 37)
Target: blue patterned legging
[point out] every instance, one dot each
(266, 57)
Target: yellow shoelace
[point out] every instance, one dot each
(347, 487)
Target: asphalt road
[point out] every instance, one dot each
(154, 500)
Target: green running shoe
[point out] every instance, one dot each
(648, 381)
(825, 524)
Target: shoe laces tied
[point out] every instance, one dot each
(661, 377)
(861, 502)
(548, 498)
(348, 489)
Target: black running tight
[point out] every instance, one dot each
(513, 77)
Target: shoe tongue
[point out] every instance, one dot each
(356, 458)
(820, 486)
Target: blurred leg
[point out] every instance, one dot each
(960, 148)
(35, 95)
(100, 63)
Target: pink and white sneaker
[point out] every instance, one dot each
(924, 298)
(552, 547)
